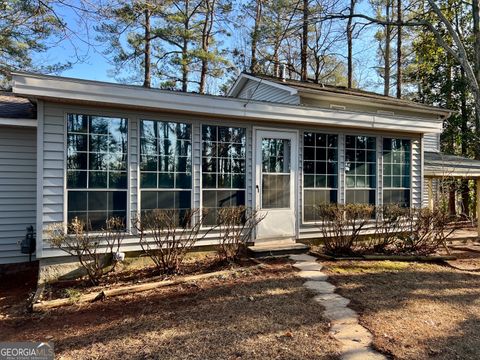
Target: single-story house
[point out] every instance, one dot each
(97, 149)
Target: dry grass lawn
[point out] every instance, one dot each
(257, 314)
(415, 311)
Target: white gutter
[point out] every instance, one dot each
(86, 91)
(18, 122)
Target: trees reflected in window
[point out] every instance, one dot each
(360, 169)
(320, 167)
(223, 168)
(97, 148)
(396, 171)
(165, 165)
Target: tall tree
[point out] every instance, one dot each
(129, 30)
(399, 49)
(350, 27)
(28, 28)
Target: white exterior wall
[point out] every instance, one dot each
(256, 90)
(432, 142)
(18, 181)
(52, 166)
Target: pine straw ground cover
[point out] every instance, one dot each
(415, 311)
(257, 314)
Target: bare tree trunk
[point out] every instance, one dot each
(399, 49)
(185, 60)
(303, 71)
(206, 34)
(350, 45)
(255, 36)
(464, 143)
(476, 34)
(386, 74)
(147, 82)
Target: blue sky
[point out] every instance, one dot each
(95, 65)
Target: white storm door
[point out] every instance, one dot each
(276, 168)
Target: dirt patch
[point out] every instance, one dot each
(17, 289)
(415, 311)
(257, 314)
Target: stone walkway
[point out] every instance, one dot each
(355, 340)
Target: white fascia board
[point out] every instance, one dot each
(94, 92)
(241, 80)
(18, 122)
(383, 103)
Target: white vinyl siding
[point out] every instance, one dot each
(255, 90)
(18, 169)
(54, 152)
(432, 142)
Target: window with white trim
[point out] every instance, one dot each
(396, 171)
(320, 167)
(360, 169)
(165, 166)
(223, 169)
(97, 148)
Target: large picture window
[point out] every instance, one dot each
(320, 164)
(97, 148)
(165, 166)
(223, 169)
(360, 169)
(396, 171)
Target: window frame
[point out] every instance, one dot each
(163, 118)
(216, 123)
(411, 141)
(302, 180)
(109, 114)
(378, 163)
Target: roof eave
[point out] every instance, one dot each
(93, 92)
(386, 103)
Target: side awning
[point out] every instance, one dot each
(439, 165)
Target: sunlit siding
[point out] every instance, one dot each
(255, 90)
(432, 142)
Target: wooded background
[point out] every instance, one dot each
(424, 50)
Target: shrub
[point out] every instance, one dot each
(427, 230)
(94, 251)
(391, 220)
(342, 225)
(236, 226)
(167, 235)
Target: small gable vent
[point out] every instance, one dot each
(383, 112)
(337, 107)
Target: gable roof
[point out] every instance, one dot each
(311, 88)
(12, 107)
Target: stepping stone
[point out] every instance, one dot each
(331, 300)
(313, 275)
(362, 354)
(302, 257)
(343, 315)
(308, 265)
(320, 287)
(352, 335)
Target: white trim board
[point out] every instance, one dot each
(18, 122)
(99, 93)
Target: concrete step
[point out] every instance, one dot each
(277, 249)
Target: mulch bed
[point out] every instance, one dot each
(124, 277)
